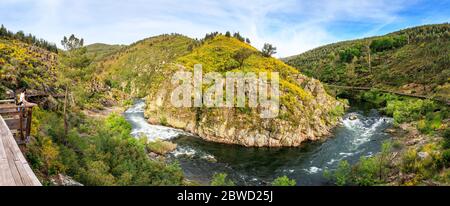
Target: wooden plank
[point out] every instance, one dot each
(9, 110)
(25, 177)
(6, 101)
(6, 178)
(9, 113)
(13, 106)
(15, 123)
(16, 171)
(12, 166)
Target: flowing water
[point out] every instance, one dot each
(200, 160)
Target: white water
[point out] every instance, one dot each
(141, 127)
(363, 130)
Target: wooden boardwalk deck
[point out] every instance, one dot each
(14, 168)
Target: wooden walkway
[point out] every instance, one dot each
(14, 168)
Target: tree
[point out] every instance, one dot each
(348, 54)
(241, 55)
(369, 61)
(247, 40)
(283, 181)
(73, 59)
(72, 43)
(228, 34)
(238, 36)
(3, 31)
(220, 179)
(268, 50)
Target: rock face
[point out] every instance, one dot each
(309, 118)
(63, 180)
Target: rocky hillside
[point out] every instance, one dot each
(23, 65)
(145, 69)
(414, 60)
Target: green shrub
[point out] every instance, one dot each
(348, 54)
(423, 168)
(378, 98)
(386, 43)
(283, 181)
(104, 155)
(366, 173)
(446, 157)
(220, 179)
(342, 174)
(446, 144)
(447, 134)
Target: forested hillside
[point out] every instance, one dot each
(414, 60)
(67, 147)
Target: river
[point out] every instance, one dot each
(200, 160)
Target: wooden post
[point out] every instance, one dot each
(29, 117)
(21, 115)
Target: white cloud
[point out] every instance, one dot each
(292, 26)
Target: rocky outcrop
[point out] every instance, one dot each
(300, 118)
(63, 180)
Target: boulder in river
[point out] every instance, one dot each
(353, 117)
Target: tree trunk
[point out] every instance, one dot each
(66, 126)
(370, 60)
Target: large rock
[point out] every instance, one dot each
(310, 119)
(64, 180)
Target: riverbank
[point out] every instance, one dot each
(200, 160)
(414, 155)
(416, 158)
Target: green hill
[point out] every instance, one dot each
(131, 69)
(145, 68)
(414, 60)
(98, 51)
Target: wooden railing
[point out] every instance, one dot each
(14, 168)
(17, 118)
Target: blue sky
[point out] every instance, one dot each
(293, 26)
